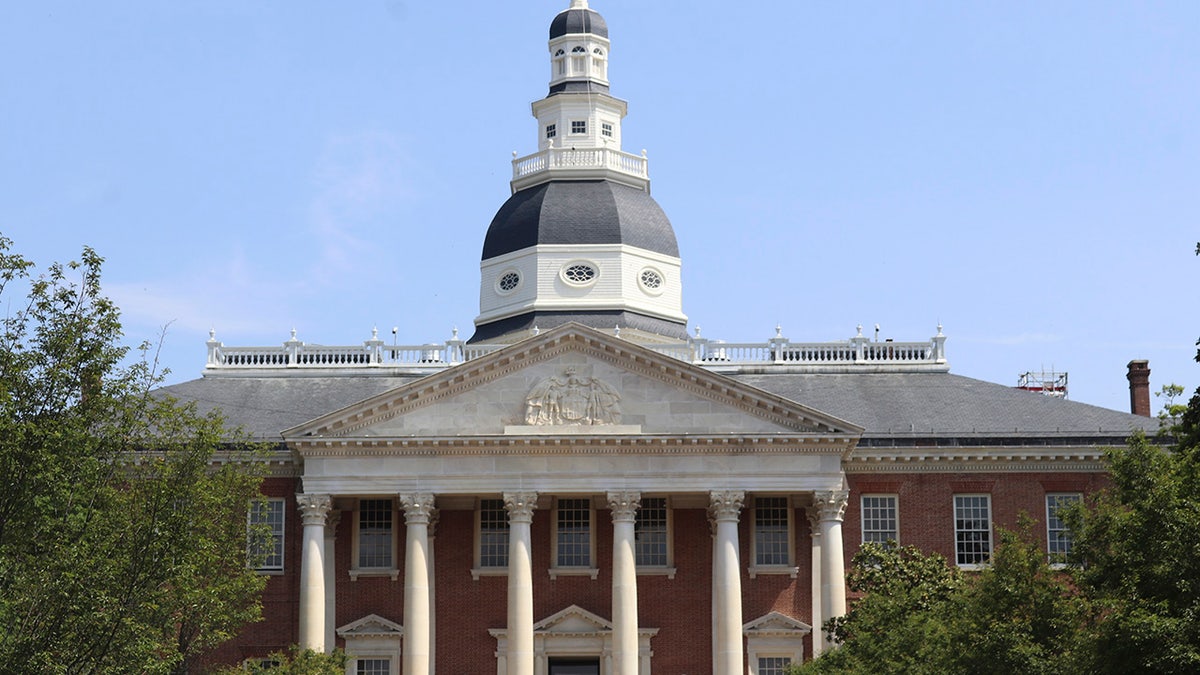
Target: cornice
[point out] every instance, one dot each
(1007, 459)
(572, 445)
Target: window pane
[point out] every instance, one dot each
(579, 127)
(375, 533)
(972, 529)
(493, 533)
(650, 532)
(773, 665)
(771, 531)
(1058, 537)
(574, 533)
(269, 552)
(373, 667)
(879, 519)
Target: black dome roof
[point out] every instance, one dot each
(580, 212)
(578, 21)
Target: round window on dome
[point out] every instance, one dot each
(579, 273)
(508, 282)
(651, 281)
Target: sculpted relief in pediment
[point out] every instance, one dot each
(572, 397)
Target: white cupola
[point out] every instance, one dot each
(581, 239)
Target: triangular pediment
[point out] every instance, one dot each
(371, 625)
(776, 624)
(572, 380)
(573, 619)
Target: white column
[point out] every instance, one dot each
(832, 507)
(725, 506)
(520, 506)
(417, 510)
(313, 509)
(433, 523)
(624, 507)
(814, 528)
(331, 523)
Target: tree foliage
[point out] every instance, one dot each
(296, 662)
(122, 540)
(919, 615)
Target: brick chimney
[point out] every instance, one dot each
(1139, 388)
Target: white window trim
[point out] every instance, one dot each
(789, 568)
(590, 570)
(862, 514)
(774, 635)
(478, 570)
(372, 637)
(572, 131)
(355, 571)
(273, 570)
(991, 530)
(668, 569)
(1057, 564)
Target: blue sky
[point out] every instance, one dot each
(1025, 173)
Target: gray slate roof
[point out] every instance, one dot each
(571, 21)
(931, 408)
(897, 409)
(580, 212)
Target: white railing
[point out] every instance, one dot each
(857, 352)
(567, 159)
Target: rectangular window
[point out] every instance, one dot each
(493, 533)
(551, 130)
(773, 665)
(266, 517)
(1058, 537)
(879, 519)
(375, 533)
(574, 535)
(373, 667)
(579, 126)
(650, 533)
(972, 529)
(606, 129)
(771, 531)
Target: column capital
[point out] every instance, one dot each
(331, 523)
(624, 506)
(418, 507)
(831, 504)
(314, 508)
(725, 504)
(814, 520)
(520, 506)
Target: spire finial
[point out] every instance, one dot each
(579, 4)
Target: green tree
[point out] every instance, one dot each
(1015, 617)
(1139, 558)
(296, 662)
(122, 514)
(898, 623)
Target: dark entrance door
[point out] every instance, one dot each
(574, 666)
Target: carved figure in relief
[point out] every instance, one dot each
(572, 399)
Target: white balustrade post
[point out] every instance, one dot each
(624, 507)
(520, 507)
(418, 508)
(832, 508)
(725, 506)
(814, 528)
(313, 509)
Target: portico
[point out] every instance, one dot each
(662, 433)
